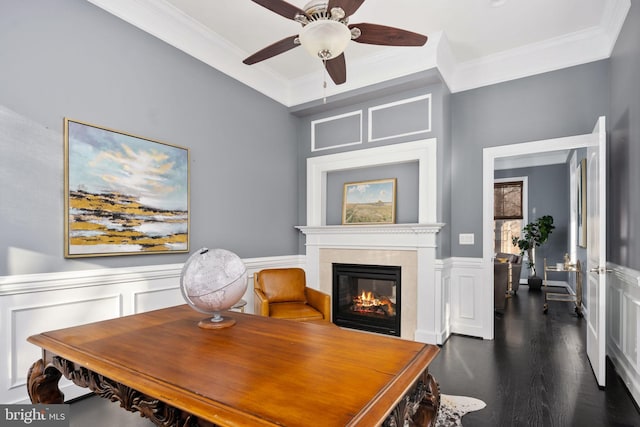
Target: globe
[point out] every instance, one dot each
(211, 281)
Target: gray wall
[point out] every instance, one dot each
(623, 206)
(548, 190)
(561, 103)
(70, 58)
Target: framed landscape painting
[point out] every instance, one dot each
(124, 194)
(369, 202)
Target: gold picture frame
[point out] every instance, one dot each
(369, 202)
(123, 194)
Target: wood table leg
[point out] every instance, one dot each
(42, 384)
(427, 411)
(419, 407)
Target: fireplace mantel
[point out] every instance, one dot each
(382, 236)
(412, 246)
(371, 229)
(378, 244)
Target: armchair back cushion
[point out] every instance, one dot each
(282, 284)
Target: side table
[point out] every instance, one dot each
(551, 296)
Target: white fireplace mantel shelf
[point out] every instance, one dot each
(371, 228)
(372, 236)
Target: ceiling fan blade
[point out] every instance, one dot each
(337, 69)
(387, 36)
(282, 8)
(349, 6)
(272, 50)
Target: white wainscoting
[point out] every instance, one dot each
(35, 303)
(623, 325)
(466, 297)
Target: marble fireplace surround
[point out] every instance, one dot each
(411, 246)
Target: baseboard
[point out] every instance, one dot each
(428, 337)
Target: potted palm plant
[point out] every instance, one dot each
(534, 234)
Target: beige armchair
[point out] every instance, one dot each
(282, 293)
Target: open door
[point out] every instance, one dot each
(596, 278)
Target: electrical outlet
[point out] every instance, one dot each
(466, 238)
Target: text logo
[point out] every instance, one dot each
(35, 415)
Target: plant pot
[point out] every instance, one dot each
(535, 283)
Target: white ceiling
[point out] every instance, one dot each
(472, 43)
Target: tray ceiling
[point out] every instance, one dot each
(472, 43)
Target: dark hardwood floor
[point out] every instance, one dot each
(535, 372)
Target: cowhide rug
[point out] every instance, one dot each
(452, 408)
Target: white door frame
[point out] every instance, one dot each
(489, 155)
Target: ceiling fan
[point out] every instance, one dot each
(326, 33)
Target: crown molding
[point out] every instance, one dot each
(169, 24)
(572, 49)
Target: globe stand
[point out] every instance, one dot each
(216, 322)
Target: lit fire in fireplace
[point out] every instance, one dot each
(368, 303)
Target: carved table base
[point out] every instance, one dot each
(418, 407)
(43, 388)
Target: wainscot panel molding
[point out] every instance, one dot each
(35, 303)
(409, 116)
(336, 131)
(623, 325)
(466, 278)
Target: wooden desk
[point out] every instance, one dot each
(260, 372)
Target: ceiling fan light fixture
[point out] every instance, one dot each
(325, 38)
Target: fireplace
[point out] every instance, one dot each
(367, 297)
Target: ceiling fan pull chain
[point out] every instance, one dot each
(324, 81)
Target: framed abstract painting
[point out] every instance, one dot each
(123, 194)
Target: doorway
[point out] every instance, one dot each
(492, 155)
